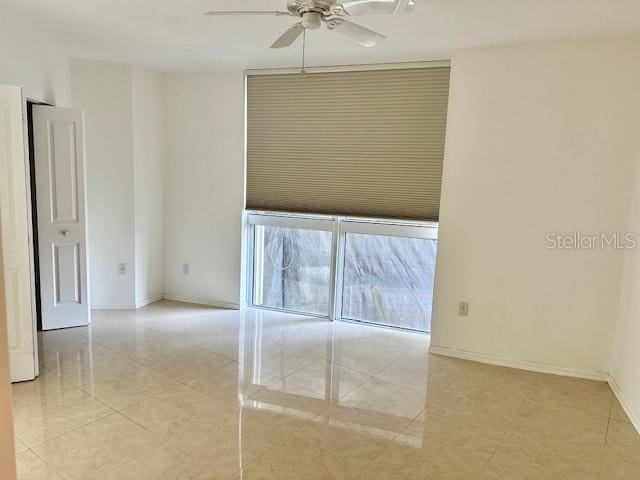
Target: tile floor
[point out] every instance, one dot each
(176, 391)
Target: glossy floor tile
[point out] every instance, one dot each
(617, 413)
(30, 467)
(97, 448)
(623, 441)
(162, 462)
(340, 382)
(614, 467)
(130, 386)
(36, 422)
(440, 446)
(19, 445)
(175, 391)
(46, 385)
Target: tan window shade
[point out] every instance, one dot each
(360, 143)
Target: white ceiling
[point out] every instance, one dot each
(175, 35)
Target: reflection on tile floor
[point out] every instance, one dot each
(177, 391)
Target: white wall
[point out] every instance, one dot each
(204, 185)
(103, 91)
(540, 139)
(625, 363)
(29, 60)
(148, 184)
(123, 107)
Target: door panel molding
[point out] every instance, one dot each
(63, 172)
(66, 259)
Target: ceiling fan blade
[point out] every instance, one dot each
(372, 7)
(362, 35)
(254, 12)
(288, 37)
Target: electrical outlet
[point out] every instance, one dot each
(122, 268)
(186, 268)
(463, 309)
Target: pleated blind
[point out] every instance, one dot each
(359, 143)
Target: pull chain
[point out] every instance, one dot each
(304, 47)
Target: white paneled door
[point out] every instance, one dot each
(14, 225)
(61, 210)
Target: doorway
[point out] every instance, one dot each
(34, 212)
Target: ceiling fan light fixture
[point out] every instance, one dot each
(312, 13)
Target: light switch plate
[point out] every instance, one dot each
(463, 309)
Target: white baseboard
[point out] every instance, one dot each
(624, 403)
(113, 307)
(176, 298)
(148, 301)
(202, 301)
(520, 364)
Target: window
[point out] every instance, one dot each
(389, 280)
(378, 272)
(326, 150)
(292, 269)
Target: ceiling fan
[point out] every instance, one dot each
(332, 12)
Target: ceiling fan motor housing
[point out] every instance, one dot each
(311, 20)
(311, 11)
(303, 8)
(298, 7)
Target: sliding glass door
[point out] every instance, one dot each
(372, 271)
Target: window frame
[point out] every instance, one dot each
(339, 226)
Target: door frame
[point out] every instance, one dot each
(33, 246)
(33, 209)
(27, 105)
